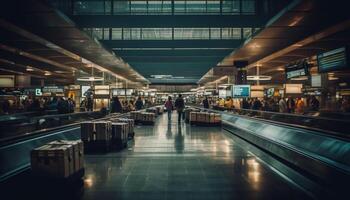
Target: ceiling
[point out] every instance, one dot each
(37, 40)
(302, 29)
(183, 60)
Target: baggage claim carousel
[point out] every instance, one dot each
(246, 158)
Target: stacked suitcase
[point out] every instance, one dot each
(99, 137)
(60, 159)
(131, 125)
(205, 118)
(119, 135)
(187, 112)
(145, 118)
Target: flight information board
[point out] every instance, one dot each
(333, 60)
(241, 91)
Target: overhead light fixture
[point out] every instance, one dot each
(29, 69)
(301, 78)
(332, 78)
(90, 78)
(47, 73)
(259, 78)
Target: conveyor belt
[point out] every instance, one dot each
(171, 161)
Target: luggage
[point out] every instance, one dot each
(119, 134)
(53, 160)
(87, 130)
(103, 131)
(193, 116)
(78, 152)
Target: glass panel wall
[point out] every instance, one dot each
(171, 33)
(161, 7)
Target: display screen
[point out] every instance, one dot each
(297, 69)
(241, 91)
(222, 93)
(270, 92)
(316, 80)
(84, 88)
(332, 60)
(121, 92)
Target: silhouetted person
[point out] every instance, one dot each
(180, 105)
(206, 103)
(315, 104)
(116, 106)
(139, 104)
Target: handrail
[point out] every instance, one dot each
(329, 133)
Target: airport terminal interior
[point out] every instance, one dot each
(174, 99)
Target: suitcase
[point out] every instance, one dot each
(131, 123)
(78, 152)
(217, 118)
(103, 131)
(87, 130)
(53, 161)
(193, 116)
(119, 133)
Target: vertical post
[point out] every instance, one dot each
(258, 74)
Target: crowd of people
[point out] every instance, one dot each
(38, 104)
(283, 105)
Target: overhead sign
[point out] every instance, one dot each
(241, 91)
(297, 69)
(334, 60)
(38, 92)
(53, 89)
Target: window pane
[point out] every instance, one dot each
(196, 6)
(179, 6)
(231, 33)
(117, 33)
(98, 33)
(191, 33)
(88, 7)
(156, 34)
(230, 7)
(248, 7)
(213, 6)
(215, 33)
(247, 32)
(127, 33)
(138, 6)
(106, 33)
(135, 33)
(121, 7)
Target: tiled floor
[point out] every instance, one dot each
(172, 161)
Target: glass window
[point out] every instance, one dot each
(196, 6)
(98, 33)
(213, 6)
(89, 7)
(166, 7)
(154, 6)
(108, 7)
(138, 6)
(121, 7)
(231, 33)
(179, 6)
(247, 32)
(156, 33)
(106, 33)
(127, 33)
(135, 33)
(248, 7)
(191, 33)
(231, 7)
(117, 33)
(215, 33)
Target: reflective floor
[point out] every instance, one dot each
(172, 161)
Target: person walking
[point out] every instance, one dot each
(282, 106)
(139, 104)
(206, 103)
(180, 105)
(169, 107)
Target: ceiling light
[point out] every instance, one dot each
(90, 78)
(29, 69)
(47, 73)
(301, 78)
(259, 78)
(332, 78)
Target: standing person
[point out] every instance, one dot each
(139, 104)
(89, 101)
(300, 106)
(116, 106)
(282, 106)
(256, 104)
(315, 104)
(180, 105)
(206, 103)
(71, 105)
(291, 105)
(169, 107)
